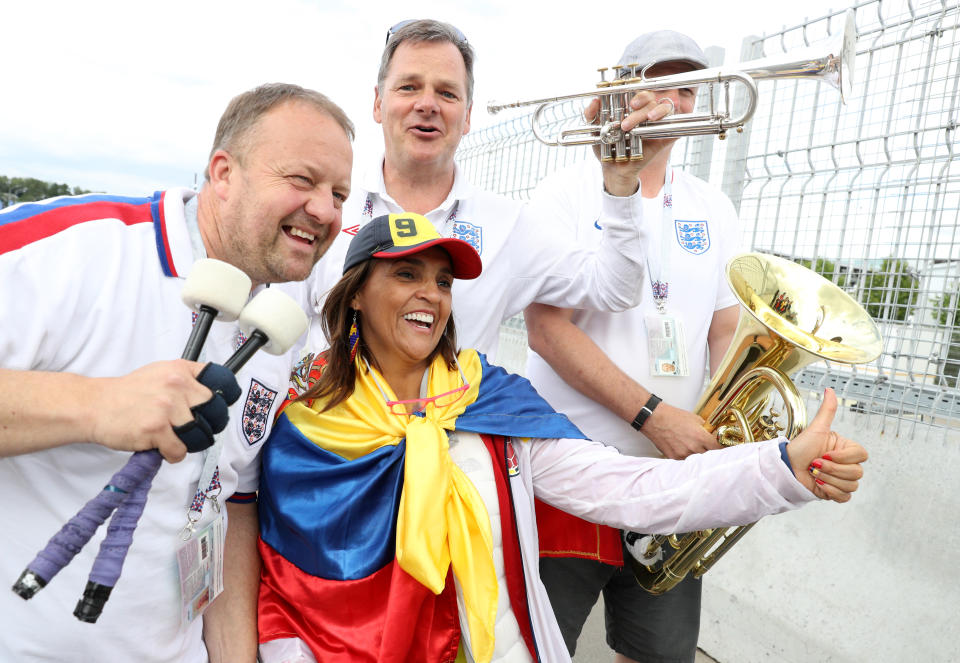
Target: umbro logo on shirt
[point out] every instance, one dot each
(352, 230)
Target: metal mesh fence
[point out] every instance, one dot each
(862, 192)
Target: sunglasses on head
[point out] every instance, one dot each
(462, 38)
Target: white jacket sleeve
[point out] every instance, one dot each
(608, 277)
(734, 486)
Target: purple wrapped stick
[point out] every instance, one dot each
(113, 550)
(73, 536)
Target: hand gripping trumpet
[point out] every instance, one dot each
(830, 61)
(215, 290)
(790, 316)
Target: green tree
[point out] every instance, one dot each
(15, 190)
(889, 293)
(946, 311)
(827, 269)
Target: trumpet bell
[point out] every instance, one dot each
(830, 61)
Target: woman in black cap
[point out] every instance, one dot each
(396, 501)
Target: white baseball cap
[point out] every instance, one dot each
(663, 46)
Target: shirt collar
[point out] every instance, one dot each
(462, 189)
(174, 235)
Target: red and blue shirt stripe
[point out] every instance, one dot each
(27, 223)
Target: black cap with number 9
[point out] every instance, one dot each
(397, 235)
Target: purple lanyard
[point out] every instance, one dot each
(661, 284)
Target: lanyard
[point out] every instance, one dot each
(210, 473)
(660, 283)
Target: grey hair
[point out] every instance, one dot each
(427, 30)
(246, 109)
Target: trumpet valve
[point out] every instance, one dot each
(611, 133)
(635, 147)
(769, 426)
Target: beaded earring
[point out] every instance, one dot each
(353, 338)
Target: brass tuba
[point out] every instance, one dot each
(790, 317)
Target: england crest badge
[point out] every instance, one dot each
(469, 233)
(693, 236)
(256, 411)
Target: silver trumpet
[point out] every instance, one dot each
(830, 60)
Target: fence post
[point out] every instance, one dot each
(735, 164)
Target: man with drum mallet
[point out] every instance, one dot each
(216, 290)
(622, 379)
(92, 314)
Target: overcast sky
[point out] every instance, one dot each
(124, 96)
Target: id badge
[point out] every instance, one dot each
(666, 347)
(200, 569)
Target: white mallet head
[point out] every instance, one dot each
(278, 316)
(219, 285)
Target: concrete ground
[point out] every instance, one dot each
(592, 646)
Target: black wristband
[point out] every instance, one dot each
(645, 412)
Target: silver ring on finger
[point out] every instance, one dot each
(669, 101)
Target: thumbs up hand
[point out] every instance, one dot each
(823, 461)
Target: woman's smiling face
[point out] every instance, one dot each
(404, 307)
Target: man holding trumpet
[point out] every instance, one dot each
(423, 100)
(630, 378)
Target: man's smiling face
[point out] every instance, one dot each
(423, 104)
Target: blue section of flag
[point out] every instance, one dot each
(508, 405)
(333, 518)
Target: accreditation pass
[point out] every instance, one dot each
(665, 346)
(200, 567)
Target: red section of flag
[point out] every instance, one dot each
(387, 617)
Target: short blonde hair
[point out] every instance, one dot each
(246, 109)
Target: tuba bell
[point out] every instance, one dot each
(790, 316)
